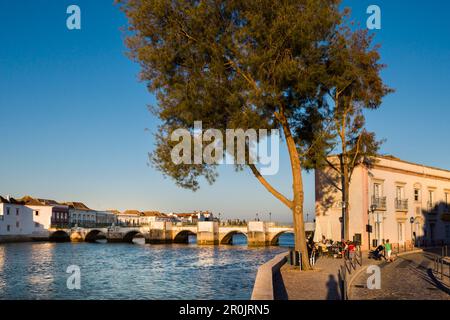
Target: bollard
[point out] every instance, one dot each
(297, 260)
(294, 258)
(442, 268)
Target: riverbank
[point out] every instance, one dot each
(22, 238)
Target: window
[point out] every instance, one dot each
(17, 211)
(8, 228)
(400, 192)
(377, 190)
(417, 195)
(400, 232)
(430, 197)
(36, 213)
(7, 211)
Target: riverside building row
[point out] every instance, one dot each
(31, 218)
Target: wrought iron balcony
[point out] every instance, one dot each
(401, 204)
(379, 202)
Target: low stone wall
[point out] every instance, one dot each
(16, 238)
(263, 288)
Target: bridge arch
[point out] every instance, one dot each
(183, 236)
(130, 235)
(228, 237)
(276, 238)
(59, 236)
(94, 235)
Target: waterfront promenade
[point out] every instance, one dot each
(319, 284)
(410, 276)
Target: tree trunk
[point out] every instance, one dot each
(347, 209)
(345, 185)
(299, 231)
(297, 187)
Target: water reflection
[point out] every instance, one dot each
(132, 271)
(2, 264)
(40, 270)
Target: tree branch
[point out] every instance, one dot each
(333, 183)
(332, 165)
(269, 188)
(358, 146)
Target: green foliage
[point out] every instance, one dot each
(231, 64)
(354, 84)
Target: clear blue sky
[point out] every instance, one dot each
(73, 114)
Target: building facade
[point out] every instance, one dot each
(150, 217)
(392, 199)
(15, 218)
(105, 218)
(27, 218)
(81, 215)
(129, 218)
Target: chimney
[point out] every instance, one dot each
(8, 197)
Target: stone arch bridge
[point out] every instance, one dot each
(258, 233)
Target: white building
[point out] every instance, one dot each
(192, 217)
(128, 218)
(395, 199)
(27, 218)
(46, 212)
(150, 217)
(15, 219)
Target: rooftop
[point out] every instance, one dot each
(77, 206)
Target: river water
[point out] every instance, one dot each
(133, 271)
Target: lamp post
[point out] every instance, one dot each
(373, 207)
(270, 216)
(257, 217)
(342, 219)
(411, 221)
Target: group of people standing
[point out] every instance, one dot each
(384, 250)
(336, 249)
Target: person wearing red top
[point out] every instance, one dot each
(351, 250)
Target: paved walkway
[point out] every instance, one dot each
(409, 277)
(318, 284)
